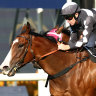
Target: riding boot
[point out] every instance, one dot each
(92, 53)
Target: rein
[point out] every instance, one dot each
(45, 55)
(50, 77)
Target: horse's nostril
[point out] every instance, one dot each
(6, 68)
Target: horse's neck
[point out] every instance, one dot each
(54, 62)
(44, 45)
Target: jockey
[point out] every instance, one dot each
(83, 27)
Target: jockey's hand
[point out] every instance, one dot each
(62, 46)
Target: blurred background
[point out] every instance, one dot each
(43, 16)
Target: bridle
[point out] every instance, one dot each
(17, 66)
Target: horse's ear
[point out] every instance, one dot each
(60, 30)
(28, 24)
(26, 28)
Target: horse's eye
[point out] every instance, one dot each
(20, 45)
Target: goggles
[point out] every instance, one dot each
(69, 17)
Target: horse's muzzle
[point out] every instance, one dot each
(7, 71)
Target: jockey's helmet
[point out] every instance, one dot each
(70, 8)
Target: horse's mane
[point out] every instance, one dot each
(32, 32)
(42, 34)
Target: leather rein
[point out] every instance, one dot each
(50, 77)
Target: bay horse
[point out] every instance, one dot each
(29, 46)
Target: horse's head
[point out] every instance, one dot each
(22, 48)
(18, 54)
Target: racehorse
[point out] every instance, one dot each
(77, 78)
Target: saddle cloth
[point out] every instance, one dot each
(53, 34)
